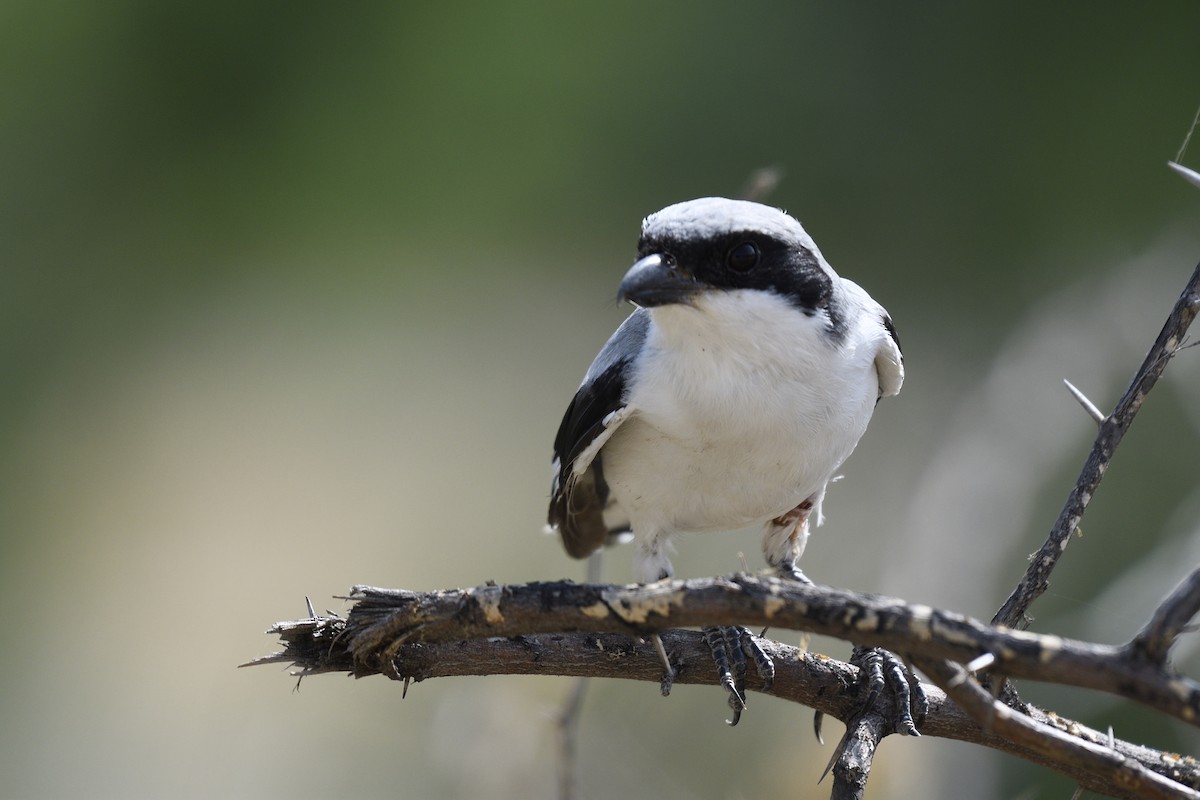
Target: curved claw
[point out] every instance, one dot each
(736, 702)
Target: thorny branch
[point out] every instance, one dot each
(1037, 577)
(1170, 620)
(572, 629)
(383, 620)
(1035, 731)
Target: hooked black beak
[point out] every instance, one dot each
(657, 280)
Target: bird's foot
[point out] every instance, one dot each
(880, 669)
(789, 571)
(731, 647)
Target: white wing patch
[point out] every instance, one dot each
(611, 422)
(889, 364)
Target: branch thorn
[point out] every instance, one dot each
(981, 662)
(1088, 406)
(837, 753)
(1191, 176)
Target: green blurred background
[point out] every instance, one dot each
(292, 297)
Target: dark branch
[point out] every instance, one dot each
(855, 753)
(1037, 577)
(1100, 767)
(590, 630)
(825, 684)
(383, 620)
(1170, 620)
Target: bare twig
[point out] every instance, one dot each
(761, 184)
(568, 736)
(1187, 138)
(572, 712)
(1036, 578)
(1170, 620)
(1120, 774)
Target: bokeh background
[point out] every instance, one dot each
(292, 297)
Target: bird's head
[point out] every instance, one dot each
(713, 245)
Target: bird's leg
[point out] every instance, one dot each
(732, 646)
(650, 564)
(784, 540)
(880, 669)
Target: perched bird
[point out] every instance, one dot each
(729, 398)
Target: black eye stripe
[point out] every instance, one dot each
(743, 257)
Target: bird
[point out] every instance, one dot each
(729, 398)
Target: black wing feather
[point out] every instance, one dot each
(577, 502)
(891, 329)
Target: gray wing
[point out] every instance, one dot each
(579, 494)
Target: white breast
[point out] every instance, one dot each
(742, 407)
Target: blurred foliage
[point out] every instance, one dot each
(280, 284)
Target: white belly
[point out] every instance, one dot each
(723, 440)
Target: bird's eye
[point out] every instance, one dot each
(743, 257)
